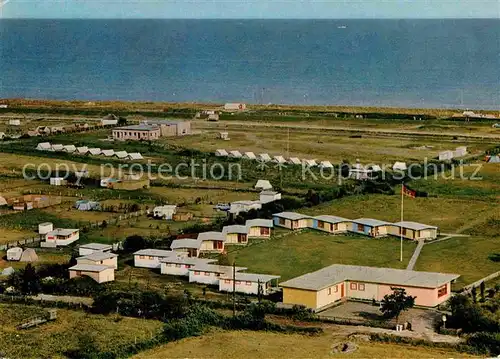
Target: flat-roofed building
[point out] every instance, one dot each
(331, 224)
(61, 237)
(137, 132)
(180, 265)
(210, 273)
(101, 258)
(259, 228)
(89, 248)
(99, 273)
(371, 227)
(292, 220)
(248, 283)
(414, 231)
(338, 282)
(150, 258)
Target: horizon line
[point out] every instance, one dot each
(249, 18)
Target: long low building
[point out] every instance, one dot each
(292, 220)
(247, 283)
(180, 265)
(323, 288)
(413, 230)
(98, 272)
(150, 258)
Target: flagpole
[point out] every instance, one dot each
(401, 228)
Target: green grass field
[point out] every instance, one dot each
(247, 344)
(300, 253)
(465, 256)
(52, 340)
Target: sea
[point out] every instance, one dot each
(398, 63)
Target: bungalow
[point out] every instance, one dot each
(121, 154)
(188, 246)
(60, 237)
(150, 258)
(259, 228)
(181, 265)
(83, 150)
(221, 153)
(371, 227)
(331, 224)
(94, 151)
(248, 283)
(108, 153)
(264, 157)
(292, 220)
(279, 159)
(89, 248)
(235, 154)
(325, 287)
(263, 185)
(414, 230)
(135, 156)
(165, 212)
(211, 242)
(101, 258)
(99, 273)
(235, 234)
(210, 273)
(57, 181)
(249, 156)
(269, 196)
(69, 148)
(294, 161)
(44, 146)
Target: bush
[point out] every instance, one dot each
(485, 343)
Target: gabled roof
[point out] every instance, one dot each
(186, 243)
(235, 229)
(44, 146)
(90, 267)
(69, 148)
(214, 268)
(310, 163)
(264, 184)
(211, 236)
(95, 151)
(279, 159)
(135, 156)
(188, 260)
(264, 157)
(331, 219)
(83, 149)
(413, 225)
(98, 256)
(371, 222)
(249, 155)
(221, 152)
(108, 153)
(154, 252)
(326, 164)
(235, 154)
(250, 277)
(294, 161)
(291, 215)
(96, 246)
(336, 273)
(57, 147)
(121, 154)
(259, 223)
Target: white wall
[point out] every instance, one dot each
(175, 269)
(211, 278)
(329, 295)
(146, 261)
(226, 285)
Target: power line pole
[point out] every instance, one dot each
(234, 289)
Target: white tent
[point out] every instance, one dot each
(249, 156)
(29, 255)
(57, 147)
(264, 157)
(221, 153)
(279, 159)
(121, 154)
(3, 201)
(325, 164)
(263, 184)
(294, 161)
(95, 151)
(309, 163)
(69, 148)
(14, 253)
(82, 150)
(108, 153)
(135, 156)
(399, 166)
(44, 146)
(235, 154)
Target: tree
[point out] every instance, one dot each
(482, 288)
(27, 280)
(393, 304)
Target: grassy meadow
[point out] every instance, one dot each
(247, 344)
(299, 253)
(53, 339)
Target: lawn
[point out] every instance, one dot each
(449, 214)
(300, 253)
(45, 256)
(8, 235)
(52, 340)
(247, 344)
(465, 256)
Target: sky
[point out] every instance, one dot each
(240, 9)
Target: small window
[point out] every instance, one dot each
(197, 273)
(361, 287)
(321, 224)
(329, 291)
(248, 283)
(177, 265)
(227, 281)
(187, 266)
(361, 228)
(442, 290)
(336, 289)
(207, 273)
(354, 286)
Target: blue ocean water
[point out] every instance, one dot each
(415, 63)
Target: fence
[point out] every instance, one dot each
(476, 284)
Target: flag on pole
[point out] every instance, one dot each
(409, 192)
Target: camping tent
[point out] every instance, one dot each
(264, 157)
(57, 147)
(82, 150)
(108, 153)
(14, 253)
(294, 161)
(279, 159)
(135, 156)
(8, 271)
(235, 154)
(95, 151)
(221, 153)
(121, 154)
(29, 255)
(3, 201)
(309, 163)
(44, 146)
(263, 184)
(69, 148)
(249, 156)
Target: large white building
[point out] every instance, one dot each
(210, 273)
(60, 237)
(247, 283)
(180, 265)
(151, 258)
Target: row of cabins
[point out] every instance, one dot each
(265, 157)
(204, 271)
(365, 226)
(84, 150)
(214, 242)
(96, 261)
